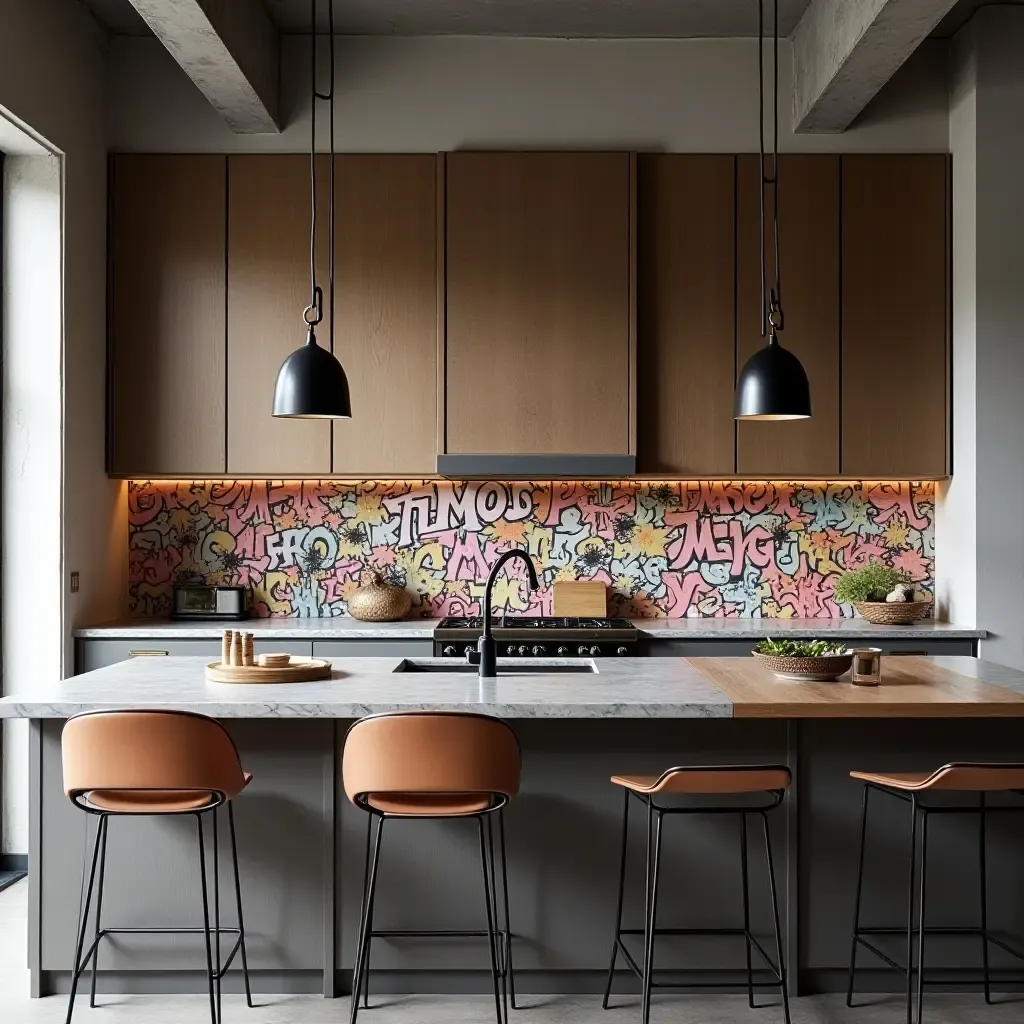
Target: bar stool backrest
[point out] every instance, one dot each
(977, 777)
(149, 750)
(431, 752)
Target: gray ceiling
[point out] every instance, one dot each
(587, 18)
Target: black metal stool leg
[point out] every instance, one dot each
(984, 898)
(499, 933)
(238, 904)
(856, 899)
(784, 981)
(364, 925)
(490, 922)
(366, 896)
(508, 924)
(920, 915)
(206, 919)
(83, 921)
(652, 926)
(99, 908)
(618, 907)
(746, 908)
(216, 911)
(910, 911)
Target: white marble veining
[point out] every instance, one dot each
(344, 627)
(619, 688)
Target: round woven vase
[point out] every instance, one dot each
(379, 601)
(899, 613)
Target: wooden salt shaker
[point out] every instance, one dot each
(247, 652)
(236, 648)
(225, 647)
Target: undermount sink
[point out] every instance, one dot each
(446, 666)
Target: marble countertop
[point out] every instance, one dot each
(344, 628)
(619, 688)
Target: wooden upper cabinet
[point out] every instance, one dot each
(268, 288)
(386, 334)
(895, 316)
(809, 257)
(686, 314)
(166, 402)
(540, 319)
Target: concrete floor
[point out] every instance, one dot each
(17, 1008)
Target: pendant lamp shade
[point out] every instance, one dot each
(311, 384)
(773, 386)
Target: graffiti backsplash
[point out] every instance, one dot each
(697, 549)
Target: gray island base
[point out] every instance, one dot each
(301, 844)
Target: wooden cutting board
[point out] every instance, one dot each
(580, 599)
(300, 670)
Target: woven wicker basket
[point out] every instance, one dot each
(824, 669)
(899, 613)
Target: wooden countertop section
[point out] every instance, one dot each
(910, 688)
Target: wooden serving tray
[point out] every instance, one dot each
(301, 670)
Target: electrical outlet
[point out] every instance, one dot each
(75, 580)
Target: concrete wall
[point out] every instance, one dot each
(52, 68)
(981, 551)
(442, 93)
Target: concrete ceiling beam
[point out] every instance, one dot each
(231, 51)
(844, 51)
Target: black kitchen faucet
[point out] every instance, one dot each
(486, 653)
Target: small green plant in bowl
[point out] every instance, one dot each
(799, 648)
(803, 660)
(873, 582)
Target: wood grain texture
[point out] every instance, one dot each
(580, 597)
(268, 288)
(386, 335)
(809, 255)
(167, 317)
(686, 314)
(910, 688)
(538, 303)
(895, 315)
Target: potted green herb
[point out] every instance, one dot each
(803, 660)
(882, 595)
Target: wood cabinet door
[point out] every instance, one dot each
(386, 334)
(268, 288)
(686, 358)
(166, 402)
(539, 308)
(809, 257)
(895, 317)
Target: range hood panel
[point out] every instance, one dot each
(528, 467)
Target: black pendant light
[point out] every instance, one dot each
(772, 385)
(311, 383)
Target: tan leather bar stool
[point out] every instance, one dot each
(766, 785)
(119, 763)
(965, 777)
(431, 765)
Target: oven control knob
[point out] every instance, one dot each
(595, 651)
(538, 651)
(524, 650)
(511, 649)
(622, 650)
(583, 651)
(450, 651)
(563, 652)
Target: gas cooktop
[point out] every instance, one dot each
(522, 636)
(543, 622)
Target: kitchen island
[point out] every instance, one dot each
(301, 843)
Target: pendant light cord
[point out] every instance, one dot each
(314, 312)
(771, 301)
